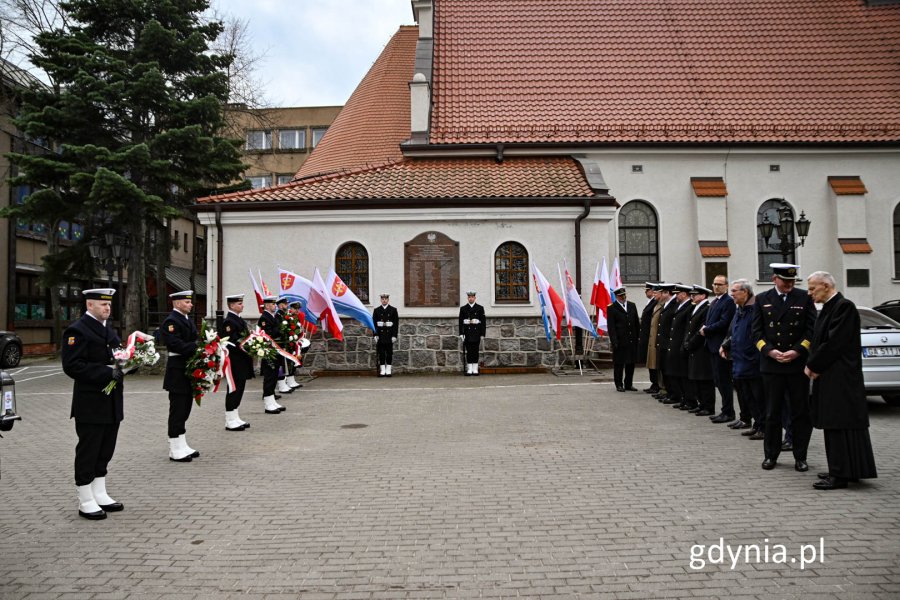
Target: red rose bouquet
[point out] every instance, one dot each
(209, 364)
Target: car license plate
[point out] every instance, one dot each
(881, 351)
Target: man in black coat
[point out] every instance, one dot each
(235, 329)
(646, 320)
(387, 326)
(269, 368)
(180, 336)
(87, 357)
(783, 321)
(718, 322)
(624, 333)
(838, 401)
(701, 396)
(675, 367)
(281, 384)
(472, 327)
(663, 330)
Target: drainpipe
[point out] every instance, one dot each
(579, 348)
(220, 251)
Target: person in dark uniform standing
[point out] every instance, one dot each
(281, 385)
(624, 332)
(87, 357)
(387, 326)
(663, 329)
(472, 327)
(676, 363)
(180, 336)
(646, 323)
(838, 401)
(236, 329)
(718, 321)
(294, 308)
(783, 322)
(269, 368)
(702, 393)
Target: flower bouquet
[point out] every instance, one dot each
(139, 350)
(209, 364)
(259, 345)
(291, 333)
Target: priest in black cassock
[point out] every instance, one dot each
(838, 401)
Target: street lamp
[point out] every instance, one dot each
(785, 228)
(110, 253)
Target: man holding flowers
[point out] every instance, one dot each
(235, 329)
(87, 357)
(180, 336)
(269, 367)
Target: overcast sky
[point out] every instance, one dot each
(317, 51)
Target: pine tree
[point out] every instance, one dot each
(134, 108)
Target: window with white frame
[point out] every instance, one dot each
(317, 133)
(292, 139)
(259, 140)
(282, 179)
(260, 181)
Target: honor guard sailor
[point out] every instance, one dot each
(236, 329)
(294, 308)
(387, 326)
(87, 357)
(281, 385)
(180, 336)
(624, 334)
(269, 368)
(472, 327)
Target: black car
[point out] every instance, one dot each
(10, 349)
(890, 308)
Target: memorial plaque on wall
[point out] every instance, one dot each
(431, 270)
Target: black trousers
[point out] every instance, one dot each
(706, 394)
(653, 377)
(233, 398)
(752, 401)
(95, 448)
(385, 352)
(472, 351)
(179, 410)
(270, 377)
(795, 388)
(675, 387)
(628, 370)
(722, 378)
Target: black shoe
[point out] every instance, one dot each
(740, 425)
(723, 419)
(759, 435)
(671, 401)
(276, 411)
(294, 387)
(823, 475)
(277, 396)
(238, 428)
(619, 388)
(185, 459)
(382, 374)
(787, 446)
(703, 413)
(660, 396)
(651, 390)
(114, 507)
(769, 464)
(93, 516)
(830, 483)
(631, 389)
(800, 465)
(750, 432)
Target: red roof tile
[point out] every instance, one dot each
(714, 249)
(558, 177)
(855, 246)
(649, 71)
(375, 119)
(847, 186)
(713, 187)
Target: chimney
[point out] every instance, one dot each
(419, 109)
(423, 12)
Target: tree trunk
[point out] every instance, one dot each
(55, 306)
(137, 283)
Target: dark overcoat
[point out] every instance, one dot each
(236, 329)
(624, 332)
(473, 332)
(699, 365)
(87, 353)
(646, 321)
(718, 322)
(663, 329)
(785, 326)
(676, 357)
(384, 315)
(179, 334)
(838, 394)
(268, 322)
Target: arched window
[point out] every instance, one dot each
(352, 266)
(511, 273)
(638, 243)
(897, 242)
(764, 251)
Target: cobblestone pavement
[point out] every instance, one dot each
(498, 486)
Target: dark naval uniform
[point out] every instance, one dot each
(180, 336)
(675, 367)
(236, 329)
(472, 332)
(784, 325)
(643, 343)
(663, 329)
(87, 357)
(701, 390)
(269, 369)
(624, 331)
(387, 326)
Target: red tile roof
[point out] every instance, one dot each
(714, 249)
(847, 186)
(711, 187)
(375, 119)
(680, 71)
(855, 246)
(557, 177)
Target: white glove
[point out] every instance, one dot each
(388, 323)
(476, 322)
(466, 321)
(462, 337)
(393, 340)
(380, 323)
(375, 338)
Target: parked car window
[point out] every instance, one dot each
(871, 319)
